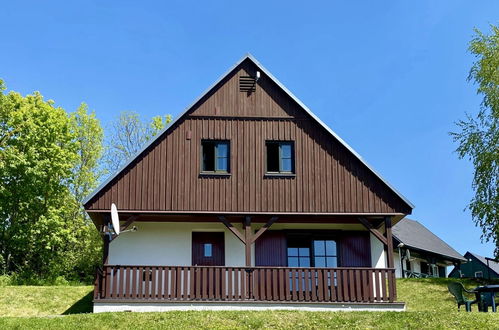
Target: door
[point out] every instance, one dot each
(208, 249)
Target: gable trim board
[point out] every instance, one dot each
(286, 91)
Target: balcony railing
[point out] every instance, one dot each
(231, 284)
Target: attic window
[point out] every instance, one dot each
(215, 156)
(280, 157)
(247, 84)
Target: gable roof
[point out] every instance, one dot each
(278, 83)
(414, 235)
(493, 265)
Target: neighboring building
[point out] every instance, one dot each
(248, 201)
(477, 267)
(424, 254)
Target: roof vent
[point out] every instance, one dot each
(247, 84)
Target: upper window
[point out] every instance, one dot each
(215, 156)
(280, 157)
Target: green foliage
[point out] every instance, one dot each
(128, 134)
(48, 163)
(478, 137)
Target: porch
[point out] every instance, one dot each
(268, 287)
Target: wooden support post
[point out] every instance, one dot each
(107, 239)
(392, 289)
(247, 238)
(389, 239)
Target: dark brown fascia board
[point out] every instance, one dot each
(242, 213)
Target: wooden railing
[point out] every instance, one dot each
(271, 284)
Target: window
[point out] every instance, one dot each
(208, 250)
(280, 157)
(215, 156)
(298, 257)
(325, 253)
(479, 274)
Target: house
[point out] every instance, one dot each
(247, 201)
(424, 254)
(477, 267)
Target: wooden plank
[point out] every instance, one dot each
(306, 283)
(282, 284)
(339, 281)
(313, 283)
(383, 285)
(185, 286)
(275, 285)
(294, 285)
(331, 276)
(210, 284)
(374, 231)
(160, 271)
(178, 295)
(320, 285)
(217, 283)
(299, 276)
(351, 286)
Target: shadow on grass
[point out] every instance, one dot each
(84, 305)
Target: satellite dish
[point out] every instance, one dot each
(115, 219)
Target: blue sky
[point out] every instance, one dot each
(388, 76)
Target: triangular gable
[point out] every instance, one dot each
(207, 93)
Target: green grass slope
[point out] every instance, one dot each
(429, 305)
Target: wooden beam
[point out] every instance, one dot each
(389, 238)
(248, 237)
(263, 229)
(233, 229)
(374, 231)
(128, 222)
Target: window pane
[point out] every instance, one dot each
(286, 165)
(293, 252)
(320, 262)
(331, 262)
(319, 248)
(207, 250)
(286, 150)
(292, 262)
(304, 252)
(331, 248)
(222, 164)
(304, 262)
(272, 157)
(222, 149)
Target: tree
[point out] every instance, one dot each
(37, 154)
(478, 137)
(128, 134)
(48, 163)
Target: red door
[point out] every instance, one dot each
(208, 249)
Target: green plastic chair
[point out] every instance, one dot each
(458, 290)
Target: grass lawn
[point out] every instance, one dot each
(429, 306)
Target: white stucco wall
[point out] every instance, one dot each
(170, 243)
(378, 255)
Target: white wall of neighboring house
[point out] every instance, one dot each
(170, 243)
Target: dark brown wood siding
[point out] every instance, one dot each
(270, 249)
(355, 250)
(329, 178)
